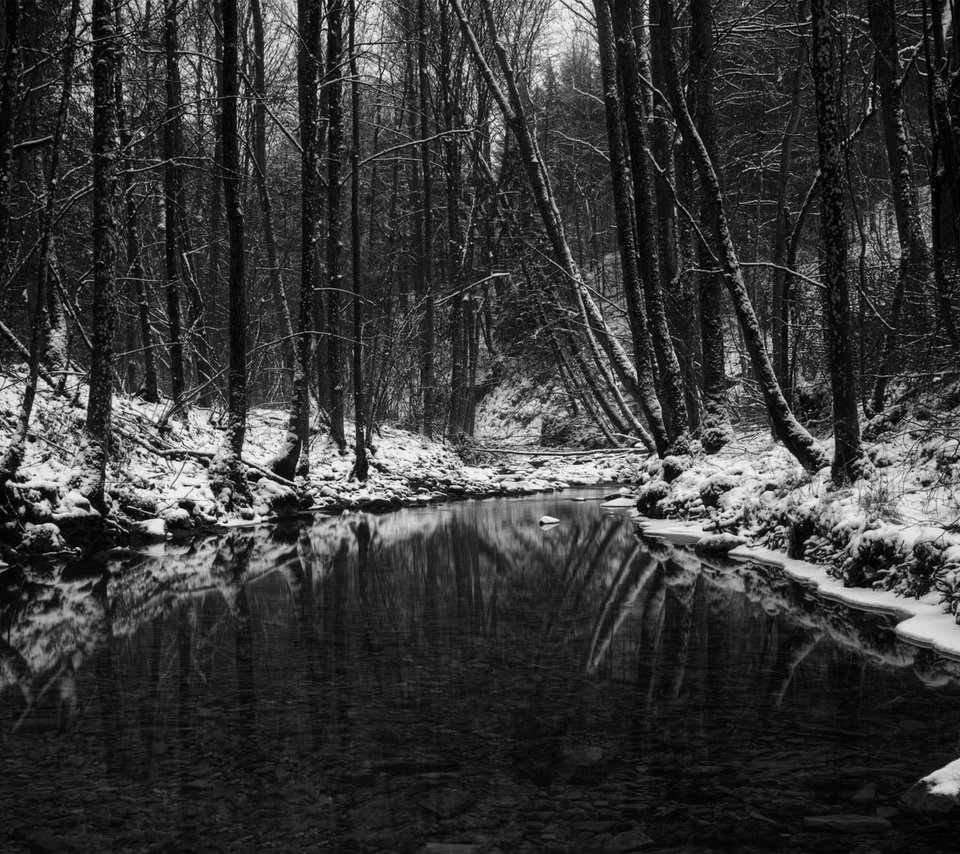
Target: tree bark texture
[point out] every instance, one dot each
(98, 426)
(847, 457)
(715, 428)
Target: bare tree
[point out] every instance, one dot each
(227, 475)
(848, 455)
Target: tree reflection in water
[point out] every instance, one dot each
(279, 675)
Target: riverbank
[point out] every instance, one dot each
(889, 542)
(157, 480)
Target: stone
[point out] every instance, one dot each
(938, 792)
(548, 520)
(718, 543)
(865, 795)
(847, 823)
(628, 840)
(450, 848)
(447, 803)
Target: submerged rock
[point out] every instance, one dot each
(938, 792)
(848, 823)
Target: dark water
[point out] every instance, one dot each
(455, 675)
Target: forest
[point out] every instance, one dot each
(674, 219)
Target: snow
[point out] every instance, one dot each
(945, 781)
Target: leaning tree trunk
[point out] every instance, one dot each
(796, 439)
(847, 457)
(638, 378)
(98, 427)
(227, 476)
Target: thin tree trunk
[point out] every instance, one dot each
(915, 264)
(625, 52)
(98, 426)
(227, 475)
(9, 90)
(294, 457)
(847, 458)
(134, 251)
(334, 95)
(715, 428)
(780, 328)
(285, 323)
(361, 466)
(13, 456)
(640, 377)
(796, 439)
(427, 334)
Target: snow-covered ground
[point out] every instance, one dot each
(157, 480)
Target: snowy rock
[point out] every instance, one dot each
(177, 518)
(620, 501)
(936, 793)
(546, 521)
(847, 823)
(719, 543)
(42, 538)
(150, 529)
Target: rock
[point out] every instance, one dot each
(629, 840)
(718, 544)
(548, 520)
(847, 823)
(938, 792)
(620, 501)
(447, 803)
(154, 530)
(450, 848)
(867, 794)
(45, 537)
(887, 812)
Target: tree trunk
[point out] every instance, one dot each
(134, 250)
(787, 429)
(638, 378)
(334, 95)
(780, 327)
(427, 332)
(9, 90)
(294, 457)
(625, 51)
(285, 324)
(13, 456)
(715, 428)
(623, 210)
(915, 264)
(360, 467)
(847, 458)
(98, 427)
(227, 476)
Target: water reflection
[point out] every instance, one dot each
(375, 683)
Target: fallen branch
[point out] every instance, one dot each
(517, 452)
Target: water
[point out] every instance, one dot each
(455, 675)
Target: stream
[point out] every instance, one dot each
(456, 679)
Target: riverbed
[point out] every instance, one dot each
(458, 678)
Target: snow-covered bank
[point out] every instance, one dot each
(889, 542)
(157, 479)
